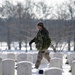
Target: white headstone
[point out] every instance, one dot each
(16, 54)
(71, 57)
(1, 54)
(53, 71)
(73, 67)
(51, 54)
(0, 66)
(11, 56)
(30, 57)
(56, 62)
(8, 67)
(58, 55)
(34, 57)
(4, 56)
(24, 68)
(22, 57)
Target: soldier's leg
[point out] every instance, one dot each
(46, 55)
(39, 58)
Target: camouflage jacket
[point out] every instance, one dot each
(42, 39)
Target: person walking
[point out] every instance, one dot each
(42, 41)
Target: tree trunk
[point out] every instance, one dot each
(26, 46)
(74, 43)
(68, 45)
(9, 46)
(8, 39)
(20, 45)
(74, 35)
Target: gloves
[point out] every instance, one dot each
(31, 43)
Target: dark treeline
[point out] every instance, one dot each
(60, 30)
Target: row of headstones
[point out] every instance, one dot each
(25, 68)
(55, 62)
(58, 71)
(57, 55)
(7, 67)
(32, 57)
(18, 57)
(46, 72)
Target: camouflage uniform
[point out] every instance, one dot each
(42, 41)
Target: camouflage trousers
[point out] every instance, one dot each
(40, 56)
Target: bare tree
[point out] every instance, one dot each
(19, 14)
(71, 9)
(42, 10)
(65, 12)
(7, 11)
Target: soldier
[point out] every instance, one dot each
(42, 41)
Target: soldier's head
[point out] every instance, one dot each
(40, 25)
